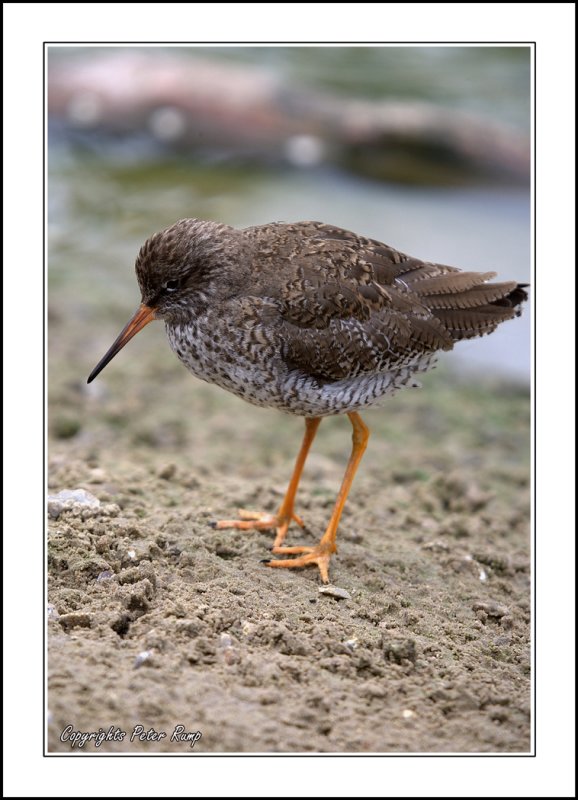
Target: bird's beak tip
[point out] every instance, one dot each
(142, 317)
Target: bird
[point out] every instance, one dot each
(310, 319)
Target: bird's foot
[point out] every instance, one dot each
(318, 555)
(261, 521)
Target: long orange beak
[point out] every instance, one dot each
(143, 316)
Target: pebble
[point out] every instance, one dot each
(76, 619)
(399, 650)
(142, 658)
(97, 475)
(51, 611)
(65, 427)
(230, 655)
(168, 472)
(436, 545)
(335, 591)
(76, 496)
(68, 498)
(492, 609)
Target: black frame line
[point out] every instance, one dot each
(45, 753)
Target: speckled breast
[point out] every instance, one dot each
(259, 375)
(219, 354)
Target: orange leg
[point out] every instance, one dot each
(321, 553)
(257, 520)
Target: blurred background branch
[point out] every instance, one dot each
(215, 108)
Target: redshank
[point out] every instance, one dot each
(311, 319)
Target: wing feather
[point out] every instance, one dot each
(350, 305)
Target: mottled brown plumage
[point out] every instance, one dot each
(308, 318)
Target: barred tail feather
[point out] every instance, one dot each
(466, 305)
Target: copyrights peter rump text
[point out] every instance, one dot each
(78, 739)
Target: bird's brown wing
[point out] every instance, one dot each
(351, 305)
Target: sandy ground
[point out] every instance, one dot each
(156, 620)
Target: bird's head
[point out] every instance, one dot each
(175, 269)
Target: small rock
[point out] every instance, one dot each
(68, 498)
(492, 609)
(66, 426)
(103, 543)
(335, 591)
(399, 650)
(55, 508)
(105, 575)
(191, 627)
(437, 546)
(90, 566)
(97, 475)
(142, 658)
(168, 472)
(76, 496)
(230, 656)
(52, 612)
(496, 561)
(76, 619)
(192, 483)
(111, 509)
(136, 574)
(407, 713)
(248, 628)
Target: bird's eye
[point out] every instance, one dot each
(171, 286)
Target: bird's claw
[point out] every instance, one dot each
(260, 521)
(318, 555)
